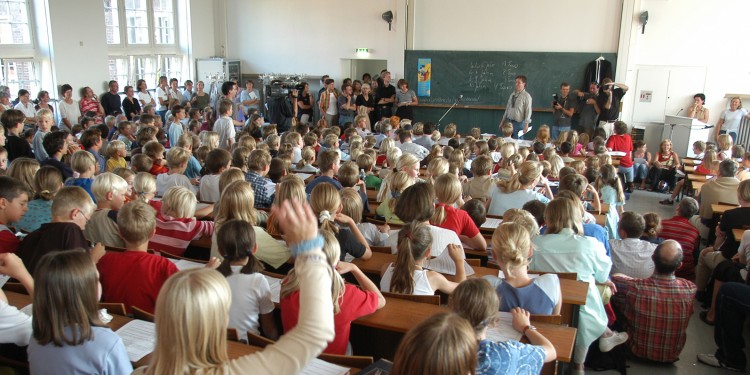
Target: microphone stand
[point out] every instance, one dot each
(458, 99)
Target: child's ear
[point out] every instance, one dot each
(3, 203)
(109, 195)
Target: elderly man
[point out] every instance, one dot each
(518, 109)
(656, 310)
(678, 228)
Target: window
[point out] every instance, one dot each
(147, 22)
(128, 69)
(172, 67)
(14, 22)
(118, 70)
(145, 67)
(20, 74)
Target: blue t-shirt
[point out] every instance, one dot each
(85, 183)
(509, 357)
(193, 169)
(539, 297)
(104, 354)
(40, 212)
(319, 180)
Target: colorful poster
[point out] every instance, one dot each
(424, 76)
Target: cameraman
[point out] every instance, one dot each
(283, 110)
(563, 108)
(610, 95)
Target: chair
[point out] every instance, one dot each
(15, 288)
(355, 361)
(142, 314)
(550, 319)
(258, 340)
(114, 308)
(233, 335)
(381, 249)
(493, 264)
(433, 299)
(476, 262)
(274, 275)
(561, 275)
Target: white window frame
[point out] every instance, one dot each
(160, 63)
(30, 17)
(5, 66)
(151, 45)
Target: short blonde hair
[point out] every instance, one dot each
(725, 142)
(246, 141)
(153, 148)
(144, 183)
(114, 147)
(177, 156)
(108, 182)
(179, 202)
(348, 174)
(44, 113)
(82, 161)
(258, 160)
(524, 218)
(209, 139)
(136, 221)
(450, 130)
(72, 197)
(437, 166)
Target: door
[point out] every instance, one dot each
(650, 95)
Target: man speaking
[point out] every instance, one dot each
(518, 110)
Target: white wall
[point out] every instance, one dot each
(311, 37)
(512, 25)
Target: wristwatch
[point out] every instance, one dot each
(527, 328)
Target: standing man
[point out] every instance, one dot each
(609, 104)
(328, 103)
(162, 98)
(249, 97)
(229, 92)
(385, 96)
(187, 93)
(563, 108)
(347, 108)
(518, 110)
(588, 109)
(111, 100)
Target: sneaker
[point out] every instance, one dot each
(711, 360)
(667, 202)
(608, 343)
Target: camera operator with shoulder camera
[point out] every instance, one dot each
(282, 105)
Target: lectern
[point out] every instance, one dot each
(684, 131)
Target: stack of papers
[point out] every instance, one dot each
(275, 285)
(504, 330)
(183, 264)
(444, 264)
(492, 223)
(139, 337)
(319, 367)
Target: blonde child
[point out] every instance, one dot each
(393, 155)
(84, 163)
(447, 216)
(116, 153)
(543, 135)
(398, 181)
(351, 204)
(479, 186)
(47, 182)
(239, 158)
(611, 192)
(193, 170)
(406, 275)
(217, 161)
(109, 193)
(144, 189)
(385, 146)
(349, 301)
(326, 203)
(45, 120)
(246, 141)
(305, 163)
(366, 163)
(176, 224)
(129, 177)
(437, 167)
(725, 144)
(209, 139)
(177, 160)
(24, 170)
(155, 151)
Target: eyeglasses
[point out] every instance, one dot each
(84, 216)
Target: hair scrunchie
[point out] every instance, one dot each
(395, 194)
(323, 216)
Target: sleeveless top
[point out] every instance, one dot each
(665, 159)
(539, 297)
(421, 283)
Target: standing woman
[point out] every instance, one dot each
(42, 101)
(305, 103)
(729, 120)
(367, 100)
(200, 99)
(70, 112)
(90, 103)
(405, 99)
(143, 95)
(131, 105)
(697, 110)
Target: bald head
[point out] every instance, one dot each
(667, 257)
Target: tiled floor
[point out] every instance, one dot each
(700, 335)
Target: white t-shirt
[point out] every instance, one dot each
(209, 188)
(501, 202)
(28, 109)
(732, 119)
(144, 97)
(372, 235)
(225, 128)
(251, 296)
(441, 238)
(333, 108)
(161, 94)
(165, 181)
(422, 285)
(71, 111)
(15, 326)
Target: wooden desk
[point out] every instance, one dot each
(738, 233)
(697, 177)
(689, 168)
(720, 209)
(697, 185)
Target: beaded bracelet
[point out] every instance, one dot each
(306, 246)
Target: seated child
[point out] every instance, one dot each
(141, 163)
(326, 204)
(14, 196)
(630, 255)
(176, 224)
(348, 176)
(116, 153)
(134, 277)
(70, 209)
(328, 161)
(109, 192)
(155, 151)
(351, 204)
(58, 144)
(217, 161)
(652, 228)
(447, 216)
(125, 130)
(85, 165)
(177, 160)
(479, 186)
(47, 182)
(307, 158)
(258, 165)
(476, 211)
(186, 141)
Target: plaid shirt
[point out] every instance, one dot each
(262, 197)
(657, 311)
(679, 229)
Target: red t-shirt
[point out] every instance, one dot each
(354, 304)
(133, 278)
(8, 241)
(622, 143)
(459, 221)
(157, 169)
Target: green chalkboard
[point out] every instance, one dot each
(488, 77)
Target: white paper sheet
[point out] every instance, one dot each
(304, 176)
(183, 264)
(3, 279)
(275, 285)
(640, 161)
(504, 330)
(319, 367)
(492, 223)
(139, 337)
(444, 264)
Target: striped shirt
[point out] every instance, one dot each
(173, 235)
(679, 229)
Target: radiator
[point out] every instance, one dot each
(743, 138)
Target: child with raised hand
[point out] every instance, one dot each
(195, 303)
(47, 182)
(448, 193)
(116, 153)
(69, 335)
(252, 307)
(326, 203)
(15, 326)
(475, 301)
(406, 275)
(511, 248)
(349, 301)
(351, 204)
(176, 224)
(14, 198)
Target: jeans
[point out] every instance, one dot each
(731, 134)
(732, 307)
(343, 119)
(557, 129)
(162, 114)
(628, 172)
(517, 126)
(641, 172)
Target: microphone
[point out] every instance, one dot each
(708, 127)
(678, 112)
(460, 97)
